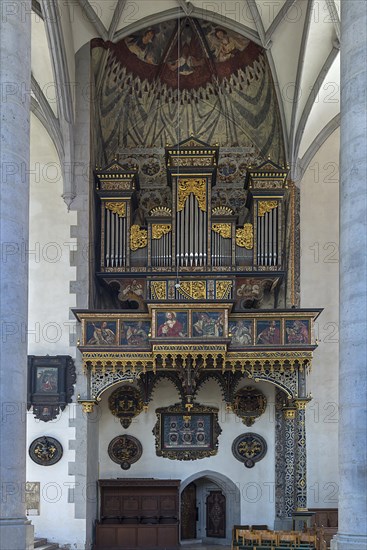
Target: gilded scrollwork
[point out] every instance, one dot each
(222, 211)
(158, 290)
(138, 237)
(115, 185)
(160, 229)
(118, 208)
(193, 289)
(223, 229)
(223, 289)
(265, 207)
(192, 161)
(245, 236)
(185, 187)
(249, 448)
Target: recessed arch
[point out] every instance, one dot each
(229, 489)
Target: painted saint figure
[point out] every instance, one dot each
(241, 334)
(297, 333)
(171, 328)
(207, 325)
(270, 335)
(136, 335)
(102, 335)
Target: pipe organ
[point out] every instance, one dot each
(116, 190)
(192, 234)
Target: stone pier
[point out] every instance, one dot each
(352, 532)
(16, 533)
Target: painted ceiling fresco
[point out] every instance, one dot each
(185, 77)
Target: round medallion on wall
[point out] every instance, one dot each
(249, 448)
(45, 451)
(125, 450)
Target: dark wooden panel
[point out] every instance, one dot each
(130, 504)
(168, 504)
(167, 536)
(149, 503)
(106, 535)
(127, 536)
(188, 512)
(141, 514)
(148, 537)
(216, 515)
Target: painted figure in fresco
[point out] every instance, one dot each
(143, 47)
(171, 328)
(298, 333)
(191, 55)
(224, 46)
(270, 334)
(102, 335)
(136, 335)
(208, 326)
(132, 287)
(241, 334)
(132, 291)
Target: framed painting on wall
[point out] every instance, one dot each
(187, 436)
(50, 384)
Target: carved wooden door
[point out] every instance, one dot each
(188, 512)
(216, 515)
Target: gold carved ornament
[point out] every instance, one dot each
(266, 206)
(193, 289)
(223, 229)
(138, 237)
(245, 236)
(160, 229)
(223, 289)
(118, 208)
(159, 290)
(195, 186)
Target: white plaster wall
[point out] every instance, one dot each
(49, 328)
(320, 288)
(56, 521)
(41, 62)
(50, 323)
(256, 484)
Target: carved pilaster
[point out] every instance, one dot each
(279, 456)
(289, 415)
(301, 458)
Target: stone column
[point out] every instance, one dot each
(352, 532)
(15, 77)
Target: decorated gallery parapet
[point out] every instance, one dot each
(197, 323)
(191, 342)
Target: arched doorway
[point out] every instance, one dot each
(211, 502)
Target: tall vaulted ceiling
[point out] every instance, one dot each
(298, 41)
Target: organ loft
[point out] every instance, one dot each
(199, 292)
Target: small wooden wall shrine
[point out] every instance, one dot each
(138, 513)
